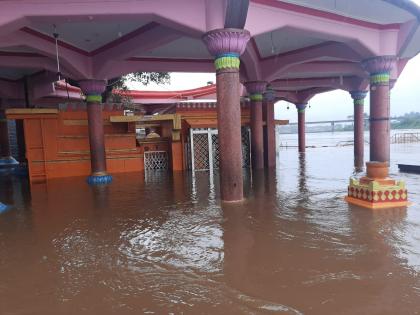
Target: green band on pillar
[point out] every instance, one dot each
(359, 102)
(301, 110)
(94, 99)
(256, 97)
(379, 78)
(227, 63)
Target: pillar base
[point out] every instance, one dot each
(3, 207)
(8, 161)
(375, 193)
(99, 179)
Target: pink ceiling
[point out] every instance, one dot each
(289, 37)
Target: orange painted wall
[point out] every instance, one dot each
(58, 145)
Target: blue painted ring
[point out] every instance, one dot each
(235, 55)
(99, 180)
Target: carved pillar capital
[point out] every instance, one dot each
(269, 94)
(226, 45)
(379, 68)
(93, 90)
(301, 107)
(256, 90)
(358, 97)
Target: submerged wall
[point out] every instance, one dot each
(57, 143)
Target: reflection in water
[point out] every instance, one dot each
(165, 244)
(303, 189)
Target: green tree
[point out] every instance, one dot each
(408, 121)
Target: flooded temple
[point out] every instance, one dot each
(182, 202)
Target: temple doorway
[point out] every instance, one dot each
(203, 149)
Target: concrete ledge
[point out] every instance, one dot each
(12, 111)
(125, 119)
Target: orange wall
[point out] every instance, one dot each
(58, 145)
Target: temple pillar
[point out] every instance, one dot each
(93, 90)
(301, 126)
(377, 190)
(256, 90)
(359, 127)
(270, 134)
(380, 128)
(226, 45)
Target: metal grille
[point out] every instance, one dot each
(206, 140)
(215, 149)
(187, 150)
(246, 150)
(11, 125)
(201, 151)
(155, 160)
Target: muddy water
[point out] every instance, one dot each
(165, 245)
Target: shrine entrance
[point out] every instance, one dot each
(203, 149)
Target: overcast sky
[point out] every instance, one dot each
(405, 96)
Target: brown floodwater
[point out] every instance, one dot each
(163, 244)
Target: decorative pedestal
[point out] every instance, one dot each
(377, 190)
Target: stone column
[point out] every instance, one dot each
(226, 45)
(270, 135)
(301, 126)
(380, 129)
(256, 90)
(359, 127)
(93, 90)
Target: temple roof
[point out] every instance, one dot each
(148, 97)
(297, 45)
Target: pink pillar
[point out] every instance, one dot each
(256, 90)
(270, 135)
(301, 126)
(380, 129)
(359, 127)
(226, 45)
(93, 90)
